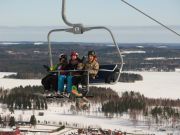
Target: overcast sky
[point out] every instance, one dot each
(18, 15)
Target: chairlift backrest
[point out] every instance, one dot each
(107, 74)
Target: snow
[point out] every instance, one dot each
(176, 58)
(156, 58)
(7, 83)
(9, 43)
(2, 74)
(38, 43)
(161, 46)
(11, 83)
(154, 84)
(129, 52)
(6, 129)
(11, 52)
(161, 58)
(37, 52)
(140, 46)
(57, 113)
(177, 69)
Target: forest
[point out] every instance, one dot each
(28, 98)
(29, 58)
(132, 103)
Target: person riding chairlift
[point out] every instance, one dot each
(74, 76)
(92, 66)
(50, 82)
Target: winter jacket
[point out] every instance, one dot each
(59, 66)
(93, 68)
(73, 65)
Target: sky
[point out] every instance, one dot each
(31, 20)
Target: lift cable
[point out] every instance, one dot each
(151, 18)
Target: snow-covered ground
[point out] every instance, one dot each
(57, 114)
(154, 84)
(11, 83)
(129, 52)
(162, 58)
(2, 74)
(7, 83)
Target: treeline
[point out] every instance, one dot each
(102, 94)
(165, 112)
(127, 102)
(133, 103)
(163, 102)
(24, 98)
(29, 58)
(130, 77)
(134, 100)
(26, 75)
(137, 61)
(125, 77)
(11, 121)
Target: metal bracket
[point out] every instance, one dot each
(78, 29)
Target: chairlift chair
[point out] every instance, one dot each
(108, 74)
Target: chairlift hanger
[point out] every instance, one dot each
(80, 29)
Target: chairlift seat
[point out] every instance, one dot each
(107, 74)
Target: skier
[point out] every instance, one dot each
(92, 66)
(74, 76)
(50, 81)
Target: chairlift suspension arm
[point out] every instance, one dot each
(76, 26)
(49, 43)
(64, 15)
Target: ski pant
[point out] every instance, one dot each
(84, 80)
(62, 79)
(76, 80)
(49, 82)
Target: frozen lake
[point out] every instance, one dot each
(11, 83)
(154, 84)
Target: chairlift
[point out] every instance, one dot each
(108, 74)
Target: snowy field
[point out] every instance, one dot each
(61, 114)
(154, 84)
(11, 83)
(2, 74)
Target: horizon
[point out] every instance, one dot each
(31, 20)
(123, 34)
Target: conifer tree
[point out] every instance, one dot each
(33, 120)
(12, 121)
